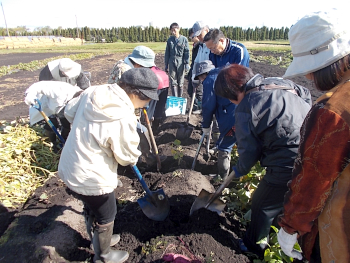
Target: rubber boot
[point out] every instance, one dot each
(101, 241)
(215, 136)
(155, 124)
(181, 91)
(89, 222)
(224, 159)
(174, 91)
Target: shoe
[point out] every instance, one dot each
(241, 245)
(197, 112)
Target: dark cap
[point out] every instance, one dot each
(203, 67)
(144, 79)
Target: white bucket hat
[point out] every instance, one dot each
(70, 68)
(317, 40)
(143, 56)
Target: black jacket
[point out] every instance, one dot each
(268, 122)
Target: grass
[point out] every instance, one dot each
(121, 47)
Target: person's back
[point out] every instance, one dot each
(275, 117)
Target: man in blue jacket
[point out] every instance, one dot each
(224, 113)
(225, 51)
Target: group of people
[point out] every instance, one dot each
(305, 147)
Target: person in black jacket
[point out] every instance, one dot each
(191, 85)
(269, 115)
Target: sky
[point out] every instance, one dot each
(161, 13)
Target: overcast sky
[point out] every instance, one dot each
(161, 13)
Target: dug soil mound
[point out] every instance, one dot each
(53, 229)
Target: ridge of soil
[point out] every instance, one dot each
(53, 230)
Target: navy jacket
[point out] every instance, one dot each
(212, 104)
(234, 53)
(268, 123)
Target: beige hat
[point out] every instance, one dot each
(317, 40)
(70, 68)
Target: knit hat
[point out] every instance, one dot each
(70, 68)
(317, 40)
(203, 67)
(144, 79)
(143, 56)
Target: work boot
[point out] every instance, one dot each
(181, 91)
(224, 159)
(174, 91)
(101, 241)
(89, 222)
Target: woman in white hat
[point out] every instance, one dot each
(317, 205)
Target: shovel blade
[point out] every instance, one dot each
(202, 201)
(184, 132)
(155, 206)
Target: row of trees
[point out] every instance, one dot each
(146, 34)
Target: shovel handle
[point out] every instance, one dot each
(221, 188)
(197, 152)
(191, 106)
(139, 177)
(48, 120)
(154, 145)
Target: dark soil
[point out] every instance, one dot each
(53, 230)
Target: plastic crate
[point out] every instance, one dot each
(175, 106)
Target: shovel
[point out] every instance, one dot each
(186, 130)
(210, 201)
(197, 152)
(48, 121)
(154, 145)
(155, 205)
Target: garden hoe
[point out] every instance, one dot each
(154, 145)
(48, 121)
(185, 131)
(210, 201)
(155, 205)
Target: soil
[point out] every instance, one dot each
(53, 230)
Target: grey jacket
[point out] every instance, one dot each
(177, 52)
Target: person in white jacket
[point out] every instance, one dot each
(53, 96)
(104, 135)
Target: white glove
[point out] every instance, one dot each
(187, 68)
(287, 242)
(30, 99)
(206, 131)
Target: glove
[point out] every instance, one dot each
(287, 242)
(30, 99)
(206, 131)
(187, 68)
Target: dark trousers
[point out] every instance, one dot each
(65, 126)
(267, 204)
(156, 108)
(103, 207)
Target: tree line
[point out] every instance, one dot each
(145, 34)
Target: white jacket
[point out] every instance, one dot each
(203, 54)
(53, 96)
(103, 134)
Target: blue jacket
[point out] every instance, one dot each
(213, 104)
(234, 53)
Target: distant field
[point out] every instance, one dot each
(120, 47)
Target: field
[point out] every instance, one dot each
(53, 229)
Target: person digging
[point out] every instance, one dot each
(223, 110)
